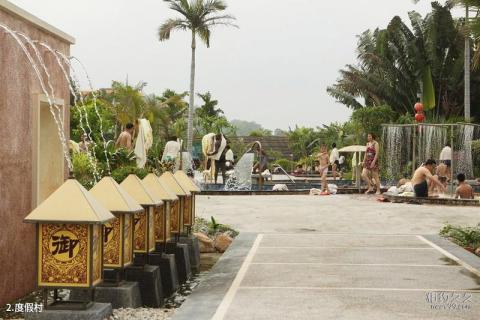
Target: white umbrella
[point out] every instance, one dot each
(353, 149)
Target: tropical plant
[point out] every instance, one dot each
(83, 169)
(209, 118)
(199, 17)
(398, 63)
(168, 109)
(371, 119)
(121, 173)
(463, 236)
(261, 133)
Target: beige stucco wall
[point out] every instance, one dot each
(19, 89)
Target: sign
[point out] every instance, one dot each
(63, 255)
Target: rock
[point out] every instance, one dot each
(477, 252)
(206, 244)
(201, 236)
(222, 242)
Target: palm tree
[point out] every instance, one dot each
(398, 62)
(198, 16)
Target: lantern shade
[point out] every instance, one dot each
(70, 203)
(118, 233)
(170, 182)
(162, 192)
(186, 182)
(144, 232)
(113, 197)
(163, 218)
(139, 192)
(180, 214)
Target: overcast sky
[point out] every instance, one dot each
(273, 70)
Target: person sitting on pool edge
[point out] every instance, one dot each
(464, 190)
(423, 176)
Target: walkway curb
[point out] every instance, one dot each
(202, 304)
(468, 258)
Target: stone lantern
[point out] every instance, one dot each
(163, 219)
(163, 223)
(187, 184)
(178, 209)
(181, 250)
(118, 234)
(144, 232)
(69, 234)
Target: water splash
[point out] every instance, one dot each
(90, 152)
(397, 146)
(241, 179)
(430, 142)
(463, 151)
(95, 107)
(50, 99)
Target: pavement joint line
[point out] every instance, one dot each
(228, 298)
(356, 264)
(360, 289)
(306, 233)
(352, 247)
(451, 256)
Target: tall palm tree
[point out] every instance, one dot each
(198, 16)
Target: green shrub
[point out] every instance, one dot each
(120, 174)
(83, 169)
(463, 236)
(212, 228)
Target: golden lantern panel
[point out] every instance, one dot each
(162, 224)
(69, 255)
(144, 231)
(117, 241)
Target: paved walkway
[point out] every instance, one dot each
(344, 257)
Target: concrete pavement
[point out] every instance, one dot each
(341, 257)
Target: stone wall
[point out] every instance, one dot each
(18, 89)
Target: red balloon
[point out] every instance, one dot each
(418, 107)
(419, 117)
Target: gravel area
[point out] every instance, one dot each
(141, 314)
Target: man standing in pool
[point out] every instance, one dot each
(423, 176)
(323, 160)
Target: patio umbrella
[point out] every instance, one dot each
(357, 150)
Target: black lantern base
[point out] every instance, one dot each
(193, 251)
(96, 311)
(182, 260)
(149, 279)
(168, 270)
(140, 259)
(113, 277)
(121, 295)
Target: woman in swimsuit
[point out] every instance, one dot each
(370, 164)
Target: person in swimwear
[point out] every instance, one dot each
(370, 164)
(464, 190)
(323, 160)
(422, 176)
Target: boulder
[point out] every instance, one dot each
(206, 244)
(477, 252)
(222, 242)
